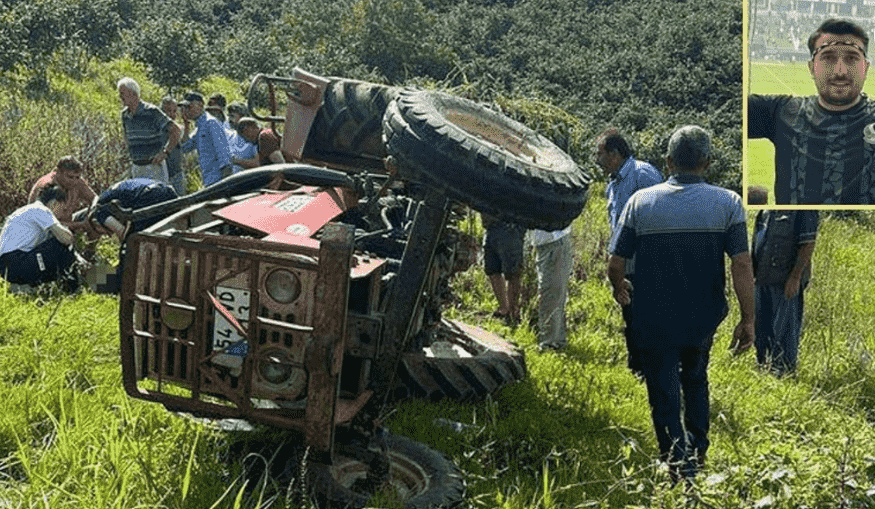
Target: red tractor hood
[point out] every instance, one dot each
(294, 217)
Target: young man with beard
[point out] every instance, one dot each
(821, 153)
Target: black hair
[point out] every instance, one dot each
(52, 192)
(616, 143)
(69, 163)
(838, 27)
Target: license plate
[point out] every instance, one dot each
(236, 301)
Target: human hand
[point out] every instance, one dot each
(159, 157)
(742, 337)
(621, 293)
(791, 287)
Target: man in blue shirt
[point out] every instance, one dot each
(627, 175)
(210, 140)
(150, 134)
(679, 231)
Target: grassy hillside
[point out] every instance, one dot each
(576, 433)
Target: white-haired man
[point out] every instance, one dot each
(149, 132)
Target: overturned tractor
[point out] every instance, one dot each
(308, 296)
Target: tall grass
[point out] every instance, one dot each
(575, 433)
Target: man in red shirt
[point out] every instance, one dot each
(68, 176)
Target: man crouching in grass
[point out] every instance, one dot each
(35, 246)
(678, 232)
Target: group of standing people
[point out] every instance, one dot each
(669, 240)
(36, 242)
(503, 263)
(224, 146)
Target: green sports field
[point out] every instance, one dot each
(777, 78)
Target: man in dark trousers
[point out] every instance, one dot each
(783, 243)
(679, 231)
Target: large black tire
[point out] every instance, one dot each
(484, 159)
(464, 362)
(348, 125)
(419, 478)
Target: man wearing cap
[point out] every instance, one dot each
(150, 134)
(821, 153)
(210, 140)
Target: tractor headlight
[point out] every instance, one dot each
(283, 286)
(276, 368)
(177, 314)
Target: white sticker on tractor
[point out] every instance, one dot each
(225, 336)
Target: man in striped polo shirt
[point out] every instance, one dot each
(678, 232)
(146, 129)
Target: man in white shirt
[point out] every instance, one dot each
(35, 246)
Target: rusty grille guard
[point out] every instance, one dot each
(176, 273)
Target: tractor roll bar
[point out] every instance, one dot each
(245, 181)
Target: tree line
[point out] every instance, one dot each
(644, 66)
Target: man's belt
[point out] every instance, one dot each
(143, 162)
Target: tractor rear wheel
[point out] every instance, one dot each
(418, 477)
(484, 159)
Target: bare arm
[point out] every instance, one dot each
(617, 276)
(794, 280)
(276, 157)
(172, 141)
(742, 282)
(246, 163)
(62, 233)
(116, 227)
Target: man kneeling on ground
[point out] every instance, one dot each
(35, 246)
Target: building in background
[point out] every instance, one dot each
(779, 29)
